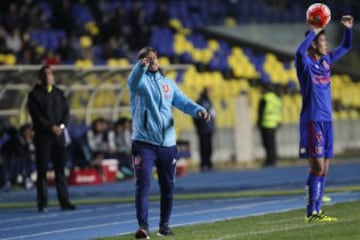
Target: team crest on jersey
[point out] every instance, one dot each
(318, 150)
(166, 88)
(326, 65)
(137, 160)
(319, 137)
(318, 79)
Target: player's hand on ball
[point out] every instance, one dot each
(318, 15)
(205, 115)
(317, 30)
(347, 21)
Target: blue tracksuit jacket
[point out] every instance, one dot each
(152, 96)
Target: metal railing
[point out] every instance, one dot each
(20, 79)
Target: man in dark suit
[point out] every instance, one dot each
(49, 112)
(205, 131)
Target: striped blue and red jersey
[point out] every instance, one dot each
(314, 78)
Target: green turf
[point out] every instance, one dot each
(191, 196)
(280, 226)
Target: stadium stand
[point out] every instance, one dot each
(93, 43)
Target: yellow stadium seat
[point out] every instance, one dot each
(92, 28)
(85, 41)
(213, 45)
(175, 23)
(112, 62)
(123, 62)
(164, 61)
(83, 63)
(230, 22)
(10, 59)
(40, 50)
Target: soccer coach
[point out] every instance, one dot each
(49, 112)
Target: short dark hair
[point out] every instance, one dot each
(41, 73)
(121, 121)
(24, 127)
(144, 51)
(317, 36)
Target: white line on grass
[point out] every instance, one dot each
(298, 226)
(243, 206)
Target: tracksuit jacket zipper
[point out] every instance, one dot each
(160, 103)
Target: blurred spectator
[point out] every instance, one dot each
(10, 163)
(205, 131)
(122, 135)
(160, 17)
(120, 143)
(51, 58)
(98, 9)
(13, 40)
(120, 24)
(31, 52)
(3, 45)
(19, 157)
(12, 17)
(139, 26)
(65, 50)
(27, 52)
(97, 139)
(62, 18)
(112, 49)
(269, 119)
(34, 17)
(26, 57)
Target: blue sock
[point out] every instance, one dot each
(312, 192)
(321, 193)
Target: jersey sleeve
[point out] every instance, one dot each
(185, 104)
(300, 56)
(343, 48)
(135, 76)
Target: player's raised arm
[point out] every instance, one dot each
(305, 44)
(134, 79)
(346, 44)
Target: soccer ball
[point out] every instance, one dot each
(318, 15)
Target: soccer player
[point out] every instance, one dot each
(152, 97)
(313, 62)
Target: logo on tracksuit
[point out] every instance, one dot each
(137, 160)
(166, 90)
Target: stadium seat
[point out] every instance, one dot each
(9, 59)
(85, 42)
(83, 63)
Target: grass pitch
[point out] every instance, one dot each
(279, 226)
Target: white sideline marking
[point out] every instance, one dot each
(239, 205)
(242, 206)
(301, 226)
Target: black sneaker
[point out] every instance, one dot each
(68, 207)
(142, 233)
(42, 209)
(165, 230)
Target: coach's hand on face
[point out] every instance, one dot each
(204, 115)
(145, 61)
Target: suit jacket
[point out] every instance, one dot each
(48, 109)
